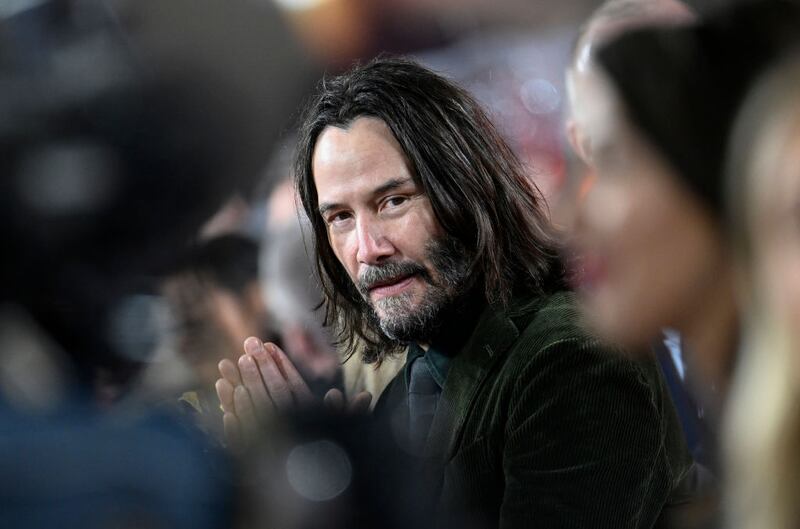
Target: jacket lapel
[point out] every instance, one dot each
(493, 335)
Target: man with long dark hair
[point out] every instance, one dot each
(428, 236)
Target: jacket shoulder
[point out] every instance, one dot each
(548, 321)
(553, 340)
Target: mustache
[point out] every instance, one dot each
(387, 272)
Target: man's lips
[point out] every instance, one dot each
(390, 287)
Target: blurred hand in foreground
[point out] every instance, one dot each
(263, 383)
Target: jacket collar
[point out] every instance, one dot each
(494, 334)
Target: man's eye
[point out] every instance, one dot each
(393, 202)
(338, 218)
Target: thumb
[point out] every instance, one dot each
(334, 400)
(359, 404)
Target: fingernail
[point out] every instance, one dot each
(252, 345)
(272, 349)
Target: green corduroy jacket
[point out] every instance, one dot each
(541, 425)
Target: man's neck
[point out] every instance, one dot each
(457, 323)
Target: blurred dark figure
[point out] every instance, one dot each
(215, 298)
(123, 126)
(292, 292)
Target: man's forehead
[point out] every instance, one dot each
(364, 142)
(365, 154)
(362, 131)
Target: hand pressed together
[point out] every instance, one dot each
(264, 382)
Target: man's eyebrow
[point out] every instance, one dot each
(381, 189)
(390, 185)
(327, 206)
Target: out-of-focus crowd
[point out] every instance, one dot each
(260, 269)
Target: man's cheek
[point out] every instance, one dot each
(350, 268)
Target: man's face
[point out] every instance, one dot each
(382, 228)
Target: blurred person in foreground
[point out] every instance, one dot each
(122, 128)
(216, 301)
(611, 19)
(428, 235)
(764, 420)
(649, 233)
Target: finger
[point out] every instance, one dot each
(251, 377)
(233, 432)
(299, 388)
(230, 372)
(360, 403)
(225, 394)
(277, 386)
(256, 348)
(334, 400)
(245, 412)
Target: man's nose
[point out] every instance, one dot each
(373, 245)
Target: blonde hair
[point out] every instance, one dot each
(762, 446)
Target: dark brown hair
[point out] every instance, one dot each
(476, 185)
(681, 87)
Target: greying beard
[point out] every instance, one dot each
(400, 319)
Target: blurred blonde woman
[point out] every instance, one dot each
(764, 423)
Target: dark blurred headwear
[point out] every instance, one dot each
(123, 126)
(228, 261)
(682, 87)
